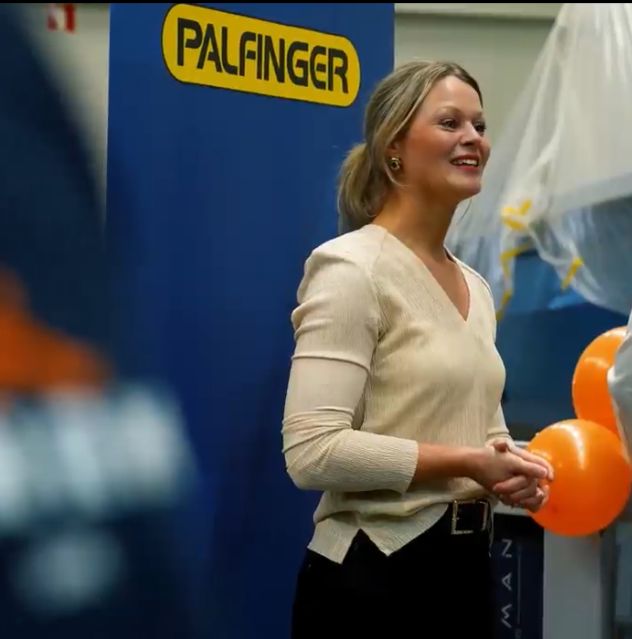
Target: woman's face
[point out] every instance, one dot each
(445, 150)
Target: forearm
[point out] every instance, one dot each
(322, 452)
(436, 461)
(332, 456)
(322, 449)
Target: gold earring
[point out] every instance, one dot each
(395, 163)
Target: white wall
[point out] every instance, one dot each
(497, 43)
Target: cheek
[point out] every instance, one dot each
(486, 149)
(428, 149)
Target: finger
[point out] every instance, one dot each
(528, 493)
(534, 503)
(546, 493)
(512, 485)
(534, 459)
(531, 470)
(525, 463)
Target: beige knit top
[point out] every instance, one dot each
(383, 361)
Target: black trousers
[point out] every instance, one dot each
(437, 586)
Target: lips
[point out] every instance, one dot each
(466, 160)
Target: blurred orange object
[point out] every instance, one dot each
(591, 397)
(35, 358)
(592, 479)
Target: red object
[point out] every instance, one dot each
(61, 17)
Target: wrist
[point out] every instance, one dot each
(438, 461)
(473, 461)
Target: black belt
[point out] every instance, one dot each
(469, 517)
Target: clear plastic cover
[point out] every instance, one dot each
(560, 177)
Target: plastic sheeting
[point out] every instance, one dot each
(560, 177)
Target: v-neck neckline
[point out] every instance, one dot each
(440, 292)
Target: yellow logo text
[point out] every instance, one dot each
(228, 51)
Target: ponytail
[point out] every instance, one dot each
(361, 188)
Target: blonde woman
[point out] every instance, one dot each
(393, 405)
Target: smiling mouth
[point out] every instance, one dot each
(469, 162)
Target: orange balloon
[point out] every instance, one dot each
(591, 396)
(592, 477)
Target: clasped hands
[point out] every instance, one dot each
(518, 477)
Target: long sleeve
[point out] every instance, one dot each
(620, 386)
(336, 328)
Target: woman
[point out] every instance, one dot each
(393, 405)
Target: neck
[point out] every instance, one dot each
(417, 222)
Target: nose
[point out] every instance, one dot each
(471, 137)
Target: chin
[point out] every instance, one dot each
(465, 191)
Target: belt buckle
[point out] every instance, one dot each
(455, 516)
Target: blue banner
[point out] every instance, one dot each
(227, 126)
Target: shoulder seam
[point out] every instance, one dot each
(365, 265)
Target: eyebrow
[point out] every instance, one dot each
(451, 107)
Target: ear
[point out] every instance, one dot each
(394, 149)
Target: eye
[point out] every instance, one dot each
(481, 127)
(449, 123)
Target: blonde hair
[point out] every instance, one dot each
(365, 178)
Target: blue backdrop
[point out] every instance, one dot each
(540, 339)
(215, 198)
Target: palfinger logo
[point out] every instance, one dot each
(229, 51)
